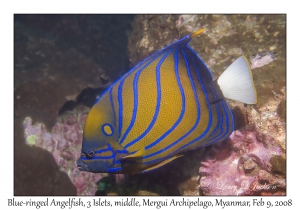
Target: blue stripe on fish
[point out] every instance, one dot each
(196, 122)
(182, 108)
(136, 98)
(202, 62)
(220, 135)
(114, 170)
(112, 104)
(224, 107)
(122, 151)
(219, 127)
(220, 121)
(209, 108)
(120, 106)
(204, 133)
(135, 102)
(157, 103)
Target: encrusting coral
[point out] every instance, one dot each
(248, 163)
(64, 142)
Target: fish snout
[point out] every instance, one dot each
(81, 166)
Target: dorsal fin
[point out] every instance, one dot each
(198, 32)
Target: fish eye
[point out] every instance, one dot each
(90, 153)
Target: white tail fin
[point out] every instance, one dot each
(236, 82)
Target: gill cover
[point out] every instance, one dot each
(99, 137)
(100, 126)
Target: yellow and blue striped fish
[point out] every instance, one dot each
(166, 105)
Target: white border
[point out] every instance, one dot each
(8, 8)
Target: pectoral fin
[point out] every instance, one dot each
(134, 158)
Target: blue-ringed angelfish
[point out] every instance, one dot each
(167, 104)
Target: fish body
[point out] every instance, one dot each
(166, 105)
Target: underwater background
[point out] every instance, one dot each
(63, 62)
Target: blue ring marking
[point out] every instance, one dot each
(182, 107)
(198, 113)
(157, 103)
(153, 56)
(110, 126)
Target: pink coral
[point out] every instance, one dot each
(262, 59)
(64, 142)
(241, 166)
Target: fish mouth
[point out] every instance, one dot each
(81, 166)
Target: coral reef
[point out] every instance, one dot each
(64, 142)
(248, 163)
